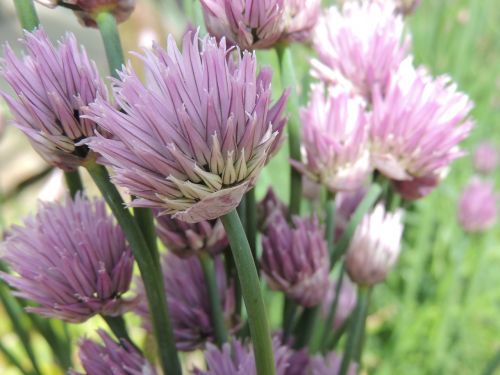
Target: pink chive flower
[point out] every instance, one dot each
(193, 140)
(237, 358)
(268, 207)
(250, 24)
(86, 10)
(188, 301)
(335, 140)
(359, 46)
(419, 187)
(477, 206)
(301, 16)
(346, 302)
(52, 84)
(295, 259)
(186, 239)
(417, 126)
(485, 158)
(330, 365)
(72, 260)
(111, 358)
(375, 246)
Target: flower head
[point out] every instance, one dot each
(418, 124)
(86, 10)
(72, 261)
(237, 358)
(375, 246)
(346, 301)
(330, 365)
(477, 207)
(335, 140)
(112, 358)
(295, 259)
(360, 45)
(186, 239)
(189, 302)
(301, 16)
(53, 84)
(194, 140)
(250, 24)
(485, 157)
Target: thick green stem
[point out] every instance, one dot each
(149, 267)
(252, 295)
(305, 325)
(288, 80)
(27, 14)
(145, 220)
(118, 327)
(217, 315)
(289, 313)
(251, 222)
(330, 222)
(111, 39)
(354, 346)
(74, 182)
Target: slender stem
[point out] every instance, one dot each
(250, 287)
(333, 309)
(118, 327)
(27, 14)
(366, 204)
(145, 220)
(217, 315)
(289, 313)
(353, 349)
(330, 222)
(288, 80)
(304, 329)
(11, 358)
(106, 22)
(74, 182)
(251, 222)
(149, 267)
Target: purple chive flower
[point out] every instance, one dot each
(86, 10)
(111, 358)
(301, 16)
(186, 239)
(194, 140)
(335, 140)
(188, 301)
(268, 207)
(52, 85)
(360, 45)
(346, 302)
(250, 24)
(295, 259)
(417, 126)
(72, 261)
(329, 365)
(485, 157)
(375, 246)
(237, 358)
(477, 206)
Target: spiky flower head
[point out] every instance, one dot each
(71, 259)
(250, 24)
(300, 17)
(330, 365)
(87, 10)
(189, 303)
(295, 259)
(237, 358)
(418, 124)
(111, 358)
(360, 45)
(269, 206)
(375, 246)
(486, 157)
(335, 140)
(346, 301)
(186, 239)
(53, 84)
(193, 140)
(477, 206)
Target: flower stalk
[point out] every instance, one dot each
(252, 295)
(74, 182)
(26, 13)
(108, 28)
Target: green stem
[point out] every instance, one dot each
(118, 327)
(27, 14)
(252, 295)
(74, 182)
(330, 222)
(145, 220)
(305, 325)
(289, 313)
(333, 309)
(354, 346)
(288, 80)
(11, 358)
(106, 22)
(149, 267)
(217, 315)
(251, 222)
(366, 204)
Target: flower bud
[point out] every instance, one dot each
(346, 302)
(486, 158)
(268, 207)
(477, 207)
